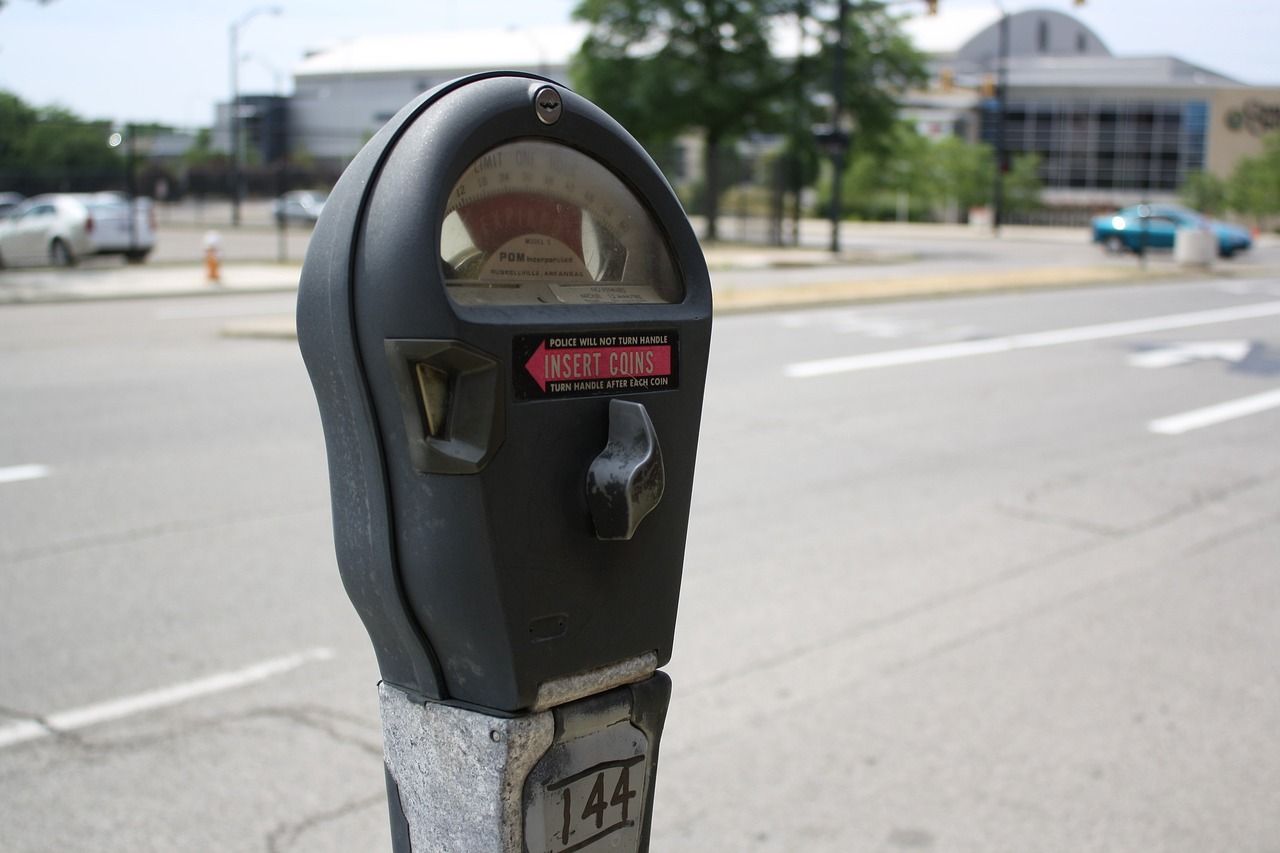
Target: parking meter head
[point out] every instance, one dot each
(506, 319)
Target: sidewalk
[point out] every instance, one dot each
(96, 281)
(744, 278)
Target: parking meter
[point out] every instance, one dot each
(506, 318)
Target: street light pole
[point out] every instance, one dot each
(234, 38)
(1002, 62)
(837, 116)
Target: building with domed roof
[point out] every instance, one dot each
(1109, 129)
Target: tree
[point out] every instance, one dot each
(961, 173)
(900, 164)
(51, 148)
(1022, 184)
(880, 63)
(668, 67)
(1204, 192)
(1254, 187)
(665, 67)
(16, 121)
(1247, 191)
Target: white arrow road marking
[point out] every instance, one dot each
(18, 473)
(1176, 354)
(1054, 337)
(1210, 415)
(115, 709)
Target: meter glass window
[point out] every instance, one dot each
(535, 222)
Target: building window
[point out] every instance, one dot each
(1042, 36)
(1082, 43)
(1132, 145)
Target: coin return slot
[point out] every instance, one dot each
(433, 383)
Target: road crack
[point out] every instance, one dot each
(285, 835)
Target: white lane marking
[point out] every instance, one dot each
(20, 732)
(18, 473)
(1177, 354)
(115, 709)
(1054, 337)
(1210, 415)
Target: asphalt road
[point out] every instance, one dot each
(994, 573)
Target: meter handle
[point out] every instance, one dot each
(625, 482)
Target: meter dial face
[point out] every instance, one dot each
(533, 222)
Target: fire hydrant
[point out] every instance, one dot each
(212, 272)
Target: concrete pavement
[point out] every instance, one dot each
(972, 603)
(880, 262)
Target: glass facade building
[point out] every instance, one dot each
(1105, 144)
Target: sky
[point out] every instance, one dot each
(168, 60)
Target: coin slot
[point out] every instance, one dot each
(433, 384)
(451, 402)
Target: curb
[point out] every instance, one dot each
(742, 300)
(730, 301)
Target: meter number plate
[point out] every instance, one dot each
(587, 807)
(589, 791)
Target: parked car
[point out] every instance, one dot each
(299, 206)
(62, 228)
(111, 233)
(8, 201)
(1154, 226)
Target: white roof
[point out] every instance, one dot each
(513, 48)
(949, 30)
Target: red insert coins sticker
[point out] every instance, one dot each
(582, 364)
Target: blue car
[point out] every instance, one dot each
(1154, 226)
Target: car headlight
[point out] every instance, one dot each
(1117, 222)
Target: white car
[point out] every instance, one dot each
(299, 206)
(111, 233)
(62, 228)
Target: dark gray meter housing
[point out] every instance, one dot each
(506, 319)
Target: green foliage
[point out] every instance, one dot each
(880, 62)
(52, 148)
(962, 172)
(935, 176)
(662, 67)
(1022, 184)
(665, 68)
(201, 153)
(1254, 187)
(16, 121)
(1204, 192)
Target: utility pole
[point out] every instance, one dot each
(1002, 62)
(839, 143)
(131, 187)
(235, 124)
(237, 191)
